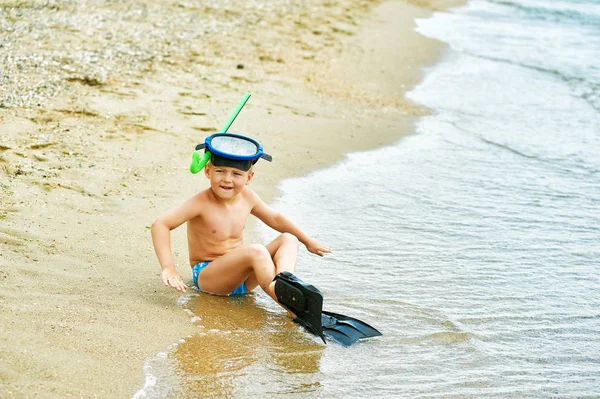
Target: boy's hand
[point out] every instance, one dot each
(317, 248)
(172, 279)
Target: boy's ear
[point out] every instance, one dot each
(207, 171)
(250, 176)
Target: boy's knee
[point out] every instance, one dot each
(289, 239)
(258, 252)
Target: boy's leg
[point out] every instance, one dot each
(284, 252)
(226, 273)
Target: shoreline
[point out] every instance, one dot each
(85, 175)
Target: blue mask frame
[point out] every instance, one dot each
(228, 149)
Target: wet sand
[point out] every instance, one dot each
(100, 108)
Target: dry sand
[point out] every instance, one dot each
(100, 108)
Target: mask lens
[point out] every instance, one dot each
(234, 146)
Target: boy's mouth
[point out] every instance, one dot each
(226, 188)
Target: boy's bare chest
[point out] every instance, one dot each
(225, 223)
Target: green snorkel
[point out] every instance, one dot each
(198, 161)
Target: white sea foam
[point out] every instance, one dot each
(160, 378)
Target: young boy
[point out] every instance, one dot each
(221, 263)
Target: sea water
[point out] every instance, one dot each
(473, 245)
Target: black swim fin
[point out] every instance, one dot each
(306, 302)
(302, 299)
(346, 330)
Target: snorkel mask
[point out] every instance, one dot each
(231, 150)
(227, 149)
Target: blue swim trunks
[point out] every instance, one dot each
(241, 290)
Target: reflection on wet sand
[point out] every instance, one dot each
(244, 348)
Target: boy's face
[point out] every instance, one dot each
(227, 182)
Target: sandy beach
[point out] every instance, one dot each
(100, 109)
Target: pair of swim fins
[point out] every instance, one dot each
(306, 302)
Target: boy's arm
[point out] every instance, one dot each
(161, 238)
(278, 221)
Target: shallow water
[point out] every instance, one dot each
(472, 245)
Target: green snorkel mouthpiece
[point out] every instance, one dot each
(198, 162)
